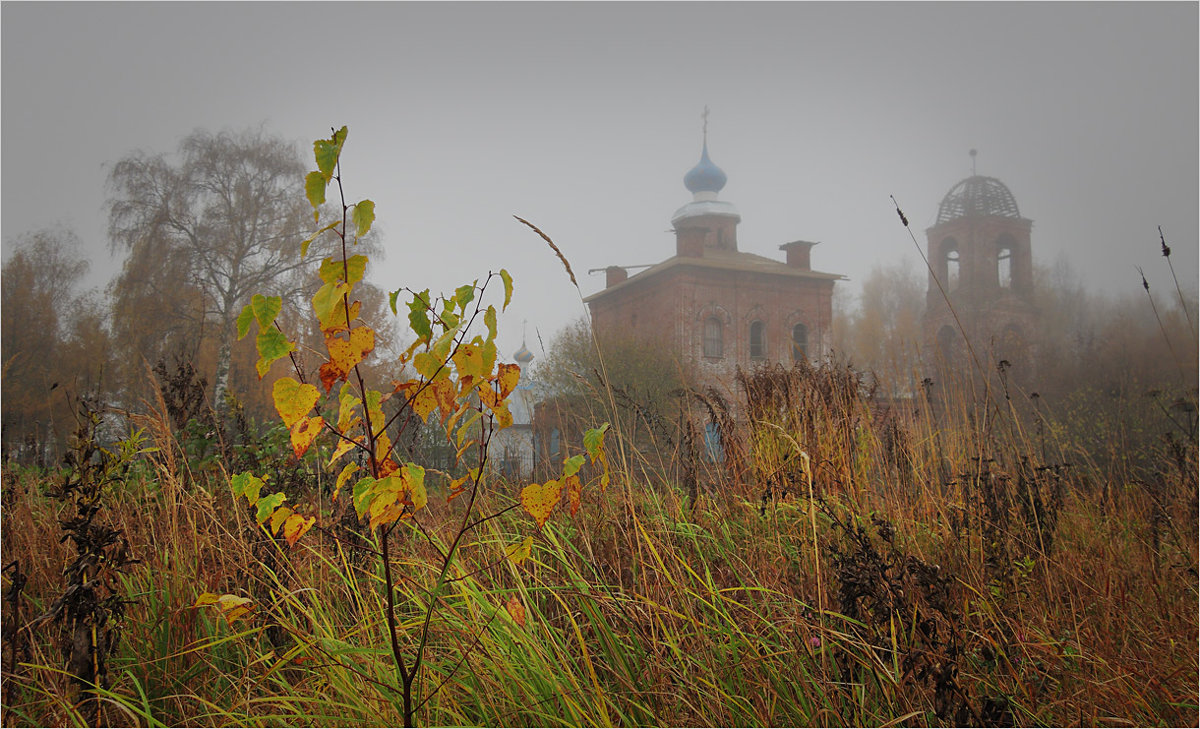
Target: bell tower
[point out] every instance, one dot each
(982, 270)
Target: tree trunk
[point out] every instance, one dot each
(221, 384)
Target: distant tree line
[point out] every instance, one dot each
(202, 230)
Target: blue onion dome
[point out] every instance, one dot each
(978, 195)
(523, 355)
(705, 176)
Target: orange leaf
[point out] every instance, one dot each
(344, 354)
(574, 493)
(296, 526)
(516, 610)
(387, 467)
(540, 499)
(293, 400)
(507, 377)
(304, 431)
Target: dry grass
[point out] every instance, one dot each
(935, 594)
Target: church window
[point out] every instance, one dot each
(1004, 256)
(758, 340)
(952, 268)
(713, 340)
(799, 343)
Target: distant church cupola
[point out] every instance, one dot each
(706, 223)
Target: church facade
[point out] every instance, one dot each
(717, 306)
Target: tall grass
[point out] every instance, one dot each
(942, 570)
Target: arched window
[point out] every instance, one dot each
(1004, 256)
(799, 343)
(758, 340)
(713, 341)
(952, 268)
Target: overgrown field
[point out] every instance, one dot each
(833, 571)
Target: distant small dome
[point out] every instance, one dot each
(978, 195)
(523, 355)
(705, 176)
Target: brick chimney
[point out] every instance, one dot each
(799, 254)
(614, 275)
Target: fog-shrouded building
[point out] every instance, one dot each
(980, 282)
(717, 306)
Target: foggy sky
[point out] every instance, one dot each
(583, 119)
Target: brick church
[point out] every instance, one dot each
(982, 271)
(720, 307)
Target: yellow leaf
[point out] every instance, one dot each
(232, 607)
(296, 526)
(350, 469)
(347, 403)
(504, 416)
(518, 553)
(281, 514)
(344, 446)
(293, 400)
(457, 486)
(383, 447)
(469, 361)
(540, 499)
(516, 610)
(304, 432)
(425, 401)
(385, 509)
(414, 482)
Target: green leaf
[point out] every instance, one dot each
(392, 300)
(363, 489)
(247, 485)
(268, 504)
(308, 241)
(244, 320)
(314, 188)
(572, 465)
(593, 440)
(272, 345)
(266, 308)
(364, 215)
(327, 151)
(464, 295)
(332, 269)
(508, 288)
(326, 299)
(418, 316)
(489, 320)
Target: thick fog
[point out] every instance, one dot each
(583, 118)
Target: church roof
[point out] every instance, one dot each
(978, 195)
(705, 176)
(720, 260)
